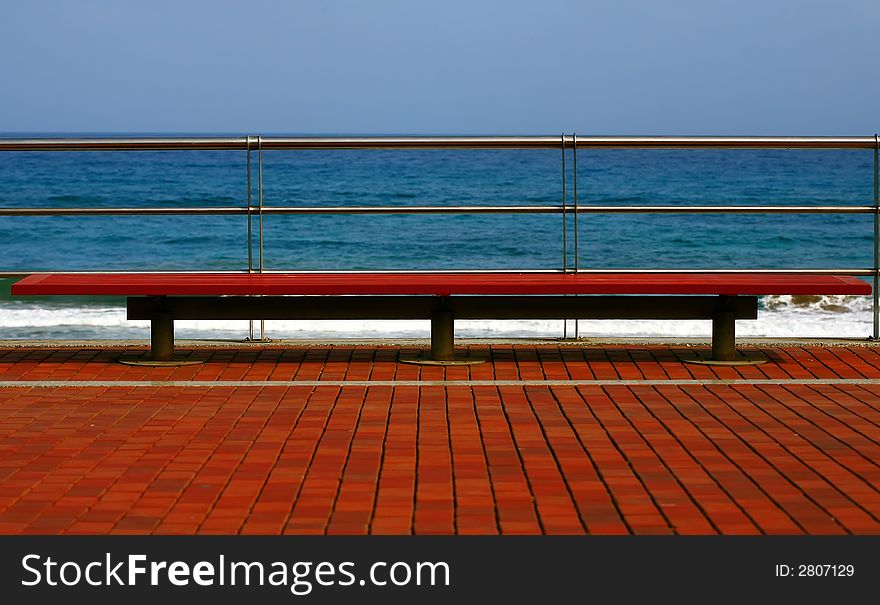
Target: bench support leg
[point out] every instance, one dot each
(442, 339)
(162, 336)
(724, 331)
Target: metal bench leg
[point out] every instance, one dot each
(162, 336)
(442, 342)
(724, 331)
(442, 339)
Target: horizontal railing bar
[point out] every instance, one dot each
(124, 144)
(719, 142)
(608, 209)
(436, 142)
(842, 271)
(120, 211)
(643, 209)
(726, 209)
(482, 209)
(554, 142)
(283, 210)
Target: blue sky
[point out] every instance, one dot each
(442, 67)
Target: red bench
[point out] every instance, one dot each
(442, 297)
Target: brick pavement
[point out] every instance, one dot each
(573, 439)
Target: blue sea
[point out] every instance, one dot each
(442, 177)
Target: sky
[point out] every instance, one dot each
(772, 67)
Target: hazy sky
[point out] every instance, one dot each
(441, 67)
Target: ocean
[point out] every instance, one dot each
(426, 177)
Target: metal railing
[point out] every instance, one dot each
(257, 144)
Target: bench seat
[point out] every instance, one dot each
(434, 284)
(442, 297)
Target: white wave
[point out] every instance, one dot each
(780, 316)
(824, 303)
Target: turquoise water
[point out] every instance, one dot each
(421, 177)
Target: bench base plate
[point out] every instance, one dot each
(152, 363)
(718, 362)
(427, 361)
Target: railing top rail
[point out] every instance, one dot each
(436, 209)
(436, 142)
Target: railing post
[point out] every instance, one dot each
(263, 337)
(564, 210)
(250, 229)
(577, 248)
(564, 228)
(260, 195)
(574, 176)
(876, 307)
(249, 144)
